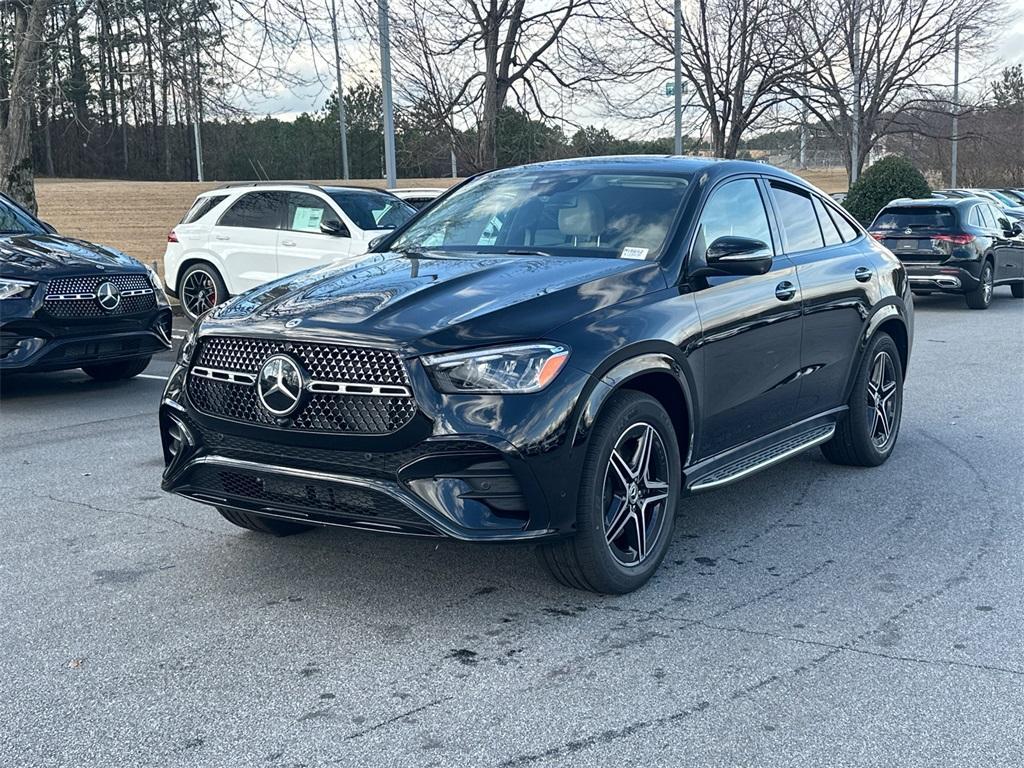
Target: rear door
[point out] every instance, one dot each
(749, 353)
(245, 240)
(839, 281)
(302, 244)
(1007, 248)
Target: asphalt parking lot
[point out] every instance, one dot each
(811, 615)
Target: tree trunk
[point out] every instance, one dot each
(16, 175)
(487, 157)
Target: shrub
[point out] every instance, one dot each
(889, 178)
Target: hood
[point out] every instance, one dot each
(43, 257)
(436, 301)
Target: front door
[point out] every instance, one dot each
(302, 244)
(749, 353)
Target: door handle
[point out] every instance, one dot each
(862, 274)
(785, 291)
(222, 237)
(289, 243)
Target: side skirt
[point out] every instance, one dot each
(750, 458)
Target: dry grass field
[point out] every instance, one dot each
(135, 216)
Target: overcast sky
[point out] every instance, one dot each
(285, 103)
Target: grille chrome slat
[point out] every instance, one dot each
(350, 389)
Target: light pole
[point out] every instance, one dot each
(385, 78)
(342, 128)
(855, 108)
(678, 66)
(956, 107)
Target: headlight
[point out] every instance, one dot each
(16, 289)
(520, 368)
(188, 346)
(158, 287)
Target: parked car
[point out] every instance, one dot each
(418, 197)
(553, 354)
(1016, 195)
(244, 235)
(66, 303)
(961, 245)
(1012, 212)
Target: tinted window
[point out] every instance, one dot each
(735, 208)
(988, 217)
(975, 217)
(306, 212)
(846, 230)
(14, 221)
(828, 227)
(201, 207)
(572, 211)
(796, 215)
(917, 217)
(370, 209)
(259, 210)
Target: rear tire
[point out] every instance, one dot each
(626, 509)
(201, 288)
(857, 441)
(270, 525)
(1017, 289)
(981, 297)
(122, 369)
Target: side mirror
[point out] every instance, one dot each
(50, 229)
(1016, 229)
(736, 256)
(335, 228)
(374, 243)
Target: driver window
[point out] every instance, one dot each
(307, 212)
(735, 209)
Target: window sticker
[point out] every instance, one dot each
(307, 219)
(632, 252)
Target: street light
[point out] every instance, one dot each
(385, 78)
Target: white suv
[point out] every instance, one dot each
(243, 235)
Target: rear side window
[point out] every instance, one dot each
(201, 207)
(828, 226)
(799, 223)
(917, 217)
(256, 210)
(975, 217)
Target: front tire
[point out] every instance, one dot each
(867, 435)
(981, 297)
(122, 369)
(261, 524)
(201, 289)
(629, 493)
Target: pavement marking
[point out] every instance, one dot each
(150, 376)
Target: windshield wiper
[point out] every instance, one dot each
(525, 252)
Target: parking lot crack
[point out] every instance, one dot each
(140, 515)
(398, 717)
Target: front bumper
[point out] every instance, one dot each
(941, 277)
(33, 344)
(471, 485)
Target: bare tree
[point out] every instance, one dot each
(474, 56)
(737, 59)
(871, 61)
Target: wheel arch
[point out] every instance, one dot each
(890, 318)
(656, 374)
(190, 262)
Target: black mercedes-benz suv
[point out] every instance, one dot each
(554, 353)
(960, 245)
(66, 303)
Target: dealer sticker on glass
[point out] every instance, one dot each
(631, 252)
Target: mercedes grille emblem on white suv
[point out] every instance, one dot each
(280, 385)
(108, 296)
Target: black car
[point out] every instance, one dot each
(66, 303)
(960, 245)
(555, 354)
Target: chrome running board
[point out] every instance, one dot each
(764, 458)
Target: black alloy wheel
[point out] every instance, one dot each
(866, 435)
(629, 493)
(201, 290)
(981, 297)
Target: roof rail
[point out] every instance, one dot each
(269, 183)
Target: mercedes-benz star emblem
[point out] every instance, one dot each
(280, 385)
(108, 296)
(292, 323)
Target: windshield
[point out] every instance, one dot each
(1004, 199)
(14, 221)
(915, 218)
(372, 210)
(567, 212)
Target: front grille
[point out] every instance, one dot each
(77, 308)
(262, 490)
(322, 412)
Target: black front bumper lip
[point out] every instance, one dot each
(435, 523)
